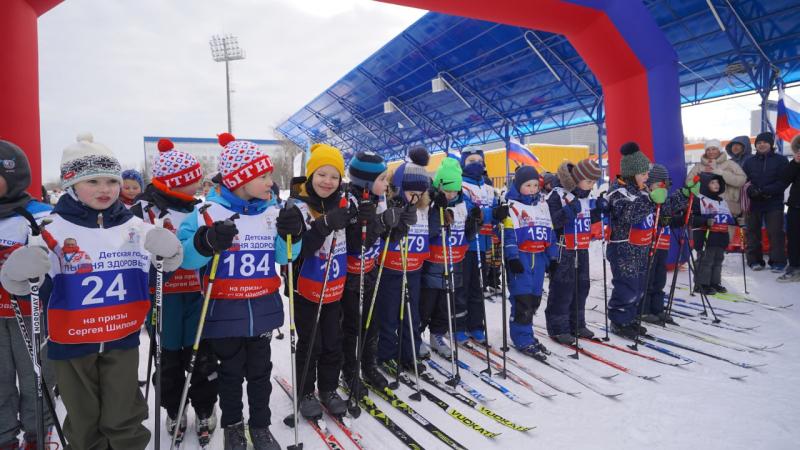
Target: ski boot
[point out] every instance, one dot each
(263, 439)
(373, 377)
(439, 345)
(461, 337)
(408, 366)
(564, 339)
(777, 268)
(630, 331)
(535, 350)
(235, 438)
(792, 274)
(757, 266)
(424, 350)
(651, 318)
(172, 425)
(335, 404)
(478, 336)
(205, 424)
(665, 318)
(309, 407)
(704, 289)
(585, 333)
(719, 288)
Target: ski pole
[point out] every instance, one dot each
(605, 276)
(396, 383)
(681, 242)
(156, 342)
(446, 262)
(328, 264)
(504, 299)
(352, 403)
(417, 396)
(212, 275)
(488, 369)
(292, 335)
(576, 355)
(650, 256)
(744, 272)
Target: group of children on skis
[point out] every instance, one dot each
(419, 243)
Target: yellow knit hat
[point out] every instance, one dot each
(324, 155)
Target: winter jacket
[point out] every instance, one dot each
(232, 317)
(512, 250)
(79, 214)
(763, 171)
(729, 170)
(433, 272)
(479, 193)
(791, 176)
(746, 153)
(707, 206)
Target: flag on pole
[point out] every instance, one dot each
(522, 156)
(788, 123)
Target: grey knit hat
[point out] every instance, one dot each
(658, 174)
(633, 160)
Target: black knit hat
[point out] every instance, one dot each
(523, 175)
(766, 137)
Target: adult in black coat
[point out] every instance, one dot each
(791, 176)
(766, 189)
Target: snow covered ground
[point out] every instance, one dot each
(695, 406)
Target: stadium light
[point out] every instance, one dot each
(225, 48)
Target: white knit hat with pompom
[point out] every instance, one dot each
(86, 159)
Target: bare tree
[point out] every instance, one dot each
(282, 159)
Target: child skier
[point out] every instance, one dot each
(573, 212)
(482, 207)
(447, 198)
(408, 201)
(529, 249)
(17, 387)
(132, 186)
(632, 206)
(245, 303)
(322, 263)
(711, 217)
(367, 173)
(653, 302)
(168, 200)
(94, 316)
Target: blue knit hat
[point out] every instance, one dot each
(524, 174)
(468, 151)
(132, 174)
(365, 167)
(412, 175)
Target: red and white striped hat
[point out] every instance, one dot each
(175, 168)
(240, 161)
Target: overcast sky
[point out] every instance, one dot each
(134, 68)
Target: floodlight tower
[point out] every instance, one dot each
(226, 48)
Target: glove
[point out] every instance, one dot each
(338, 218)
(692, 187)
(476, 214)
(500, 213)
(439, 200)
(754, 192)
(391, 217)
(22, 265)
(515, 266)
(366, 211)
(658, 195)
(572, 209)
(409, 216)
(552, 267)
(290, 223)
(601, 204)
(710, 222)
(215, 238)
(162, 242)
(449, 217)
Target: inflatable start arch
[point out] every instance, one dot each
(625, 49)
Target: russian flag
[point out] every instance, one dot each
(524, 157)
(788, 125)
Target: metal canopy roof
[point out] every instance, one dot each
(499, 75)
